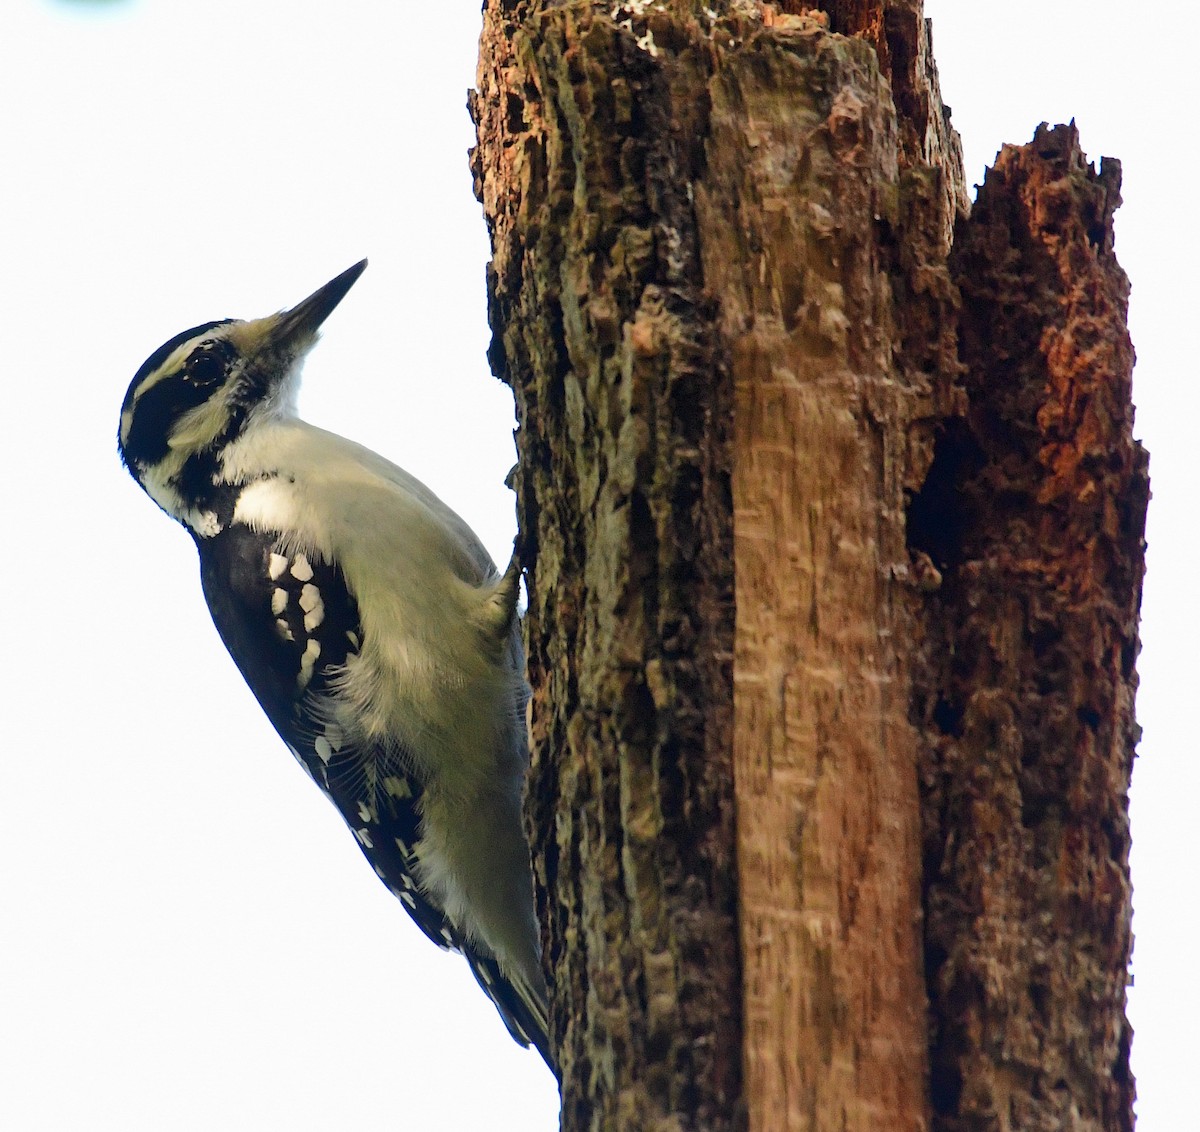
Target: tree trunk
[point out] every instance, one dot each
(827, 803)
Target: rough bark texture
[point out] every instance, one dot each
(902, 39)
(587, 151)
(1034, 510)
(722, 292)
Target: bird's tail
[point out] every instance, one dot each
(522, 1007)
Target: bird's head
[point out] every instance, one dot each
(203, 389)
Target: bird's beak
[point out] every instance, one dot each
(297, 326)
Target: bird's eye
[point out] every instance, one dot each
(205, 366)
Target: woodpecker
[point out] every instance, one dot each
(369, 622)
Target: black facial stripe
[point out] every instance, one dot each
(163, 353)
(157, 410)
(197, 483)
(160, 406)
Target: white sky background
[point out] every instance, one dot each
(189, 938)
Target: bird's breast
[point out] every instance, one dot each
(423, 678)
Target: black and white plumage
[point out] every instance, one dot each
(370, 623)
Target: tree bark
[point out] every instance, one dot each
(1034, 510)
(587, 154)
(829, 757)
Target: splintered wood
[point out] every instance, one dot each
(802, 184)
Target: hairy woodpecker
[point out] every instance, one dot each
(370, 623)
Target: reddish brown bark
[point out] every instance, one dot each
(1035, 509)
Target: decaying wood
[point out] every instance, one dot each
(1034, 510)
(797, 212)
(723, 291)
